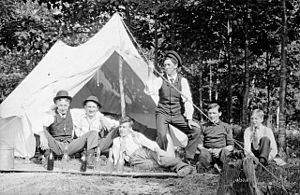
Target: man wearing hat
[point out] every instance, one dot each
(58, 134)
(173, 107)
(93, 120)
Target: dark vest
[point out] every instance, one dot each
(170, 101)
(61, 129)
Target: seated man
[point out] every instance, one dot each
(58, 134)
(259, 140)
(217, 140)
(142, 152)
(90, 119)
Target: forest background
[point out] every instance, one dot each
(243, 54)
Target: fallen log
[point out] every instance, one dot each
(92, 173)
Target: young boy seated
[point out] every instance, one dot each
(259, 140)
(143, 153)
(217, 140)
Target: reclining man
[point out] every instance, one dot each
(58, 134)
(217, 140)
(142, 152)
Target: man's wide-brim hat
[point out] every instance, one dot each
(62, 94)
(92, 99)
(174, 55)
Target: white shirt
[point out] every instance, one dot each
(132, 142)
(81, 123)
(85, 124)
(260, 132)
(154, 84)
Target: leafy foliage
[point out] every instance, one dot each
(204, 32)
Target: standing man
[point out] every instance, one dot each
(217, 140)
(259, 140)
(173, 107)
(58, 132)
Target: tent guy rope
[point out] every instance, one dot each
(195, 106)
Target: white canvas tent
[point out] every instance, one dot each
(91, 68)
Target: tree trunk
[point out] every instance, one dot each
(246, 75)
(173, 29)
(210, 83)
(283, 83)
(200, 75)
(156, 40)
(268, 64)
(229, 84)
(127, 12)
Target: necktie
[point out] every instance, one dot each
(255, 139)
(172, 80)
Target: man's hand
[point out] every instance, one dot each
(229, 148)
(190, 123)
(160, 152)
(215, 152)
(105, 124)
(44, 142)
(150, 66)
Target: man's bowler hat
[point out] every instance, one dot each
(62, 94)
(92, 99)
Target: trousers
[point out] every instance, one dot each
(106, 142)
(206, 159)
(263, 148)
(88, 140)
(146, 159)
(178, 121)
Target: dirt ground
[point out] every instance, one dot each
(43, 183)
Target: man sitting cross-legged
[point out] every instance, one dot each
(58, 132)
(142, 152)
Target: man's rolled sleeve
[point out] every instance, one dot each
(187, 99)
(144, 141)
(153, 85)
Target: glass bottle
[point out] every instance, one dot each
(50, 161)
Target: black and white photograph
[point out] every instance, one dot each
(150, 97)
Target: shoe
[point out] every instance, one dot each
(184, 171)
(189, 161)
(263, 161)
(200, 168)
(44, 158)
